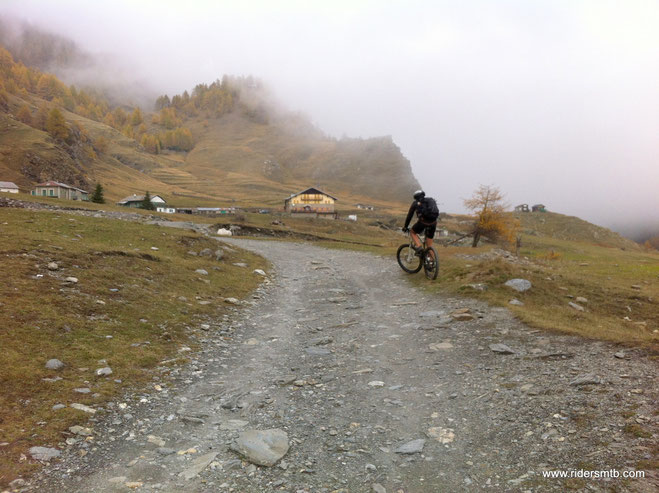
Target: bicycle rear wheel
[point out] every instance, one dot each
(430, 263)
(408, 260)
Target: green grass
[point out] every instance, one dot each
(604, 276)
(150, 316)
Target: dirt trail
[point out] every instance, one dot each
(339, 351)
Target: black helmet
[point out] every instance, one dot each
(419, 194)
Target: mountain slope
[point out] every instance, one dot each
(226, 143)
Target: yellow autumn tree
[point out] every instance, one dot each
(136, 117)
(56, 125)
(492, 221)
(24, 114)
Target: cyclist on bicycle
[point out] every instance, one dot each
(427, 213)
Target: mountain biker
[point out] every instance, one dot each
(427, 213)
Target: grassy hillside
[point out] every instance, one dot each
(137, 301)
(571, 228)
(224, 144)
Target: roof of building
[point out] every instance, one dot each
(8, 184)
(138, 198)
(311, 190)
(58, 184)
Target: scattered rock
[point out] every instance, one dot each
(72, 280)
(440, 345)
(378, 488)
(57, 407)
(54, 364)
(44, 453)
(82, 390)
(198, 465)
(224, 232)
(202, 272)
(588, 379)
(104, 372)
(636, 286)
(501, 349)
(413, 447)
(260, 272)
(520, 285)
(219, 254)
(442, 435)
(206, 252)
(82, 407)
(579, 308)
(620, 355)
(462, 317)
(165, 451)
(156, 440)
(80, 430)
(53, 266)
(232, 301)
(581, 299)
(262, 447)
(516, 302)
(376, 383)
(233, 424)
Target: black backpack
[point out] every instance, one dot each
(428, 209)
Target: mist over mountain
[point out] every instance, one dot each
(48, 51)
(553, 102)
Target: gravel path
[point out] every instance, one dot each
(353, 363)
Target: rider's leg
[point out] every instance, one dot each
(415, 238)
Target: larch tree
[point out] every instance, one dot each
(24, 114)
(492, 221)
(136, 117)
(56, 125)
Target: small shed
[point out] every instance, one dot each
(59, 190)
(136, 201)
(8, 187)
(539, 208)
(522, 208)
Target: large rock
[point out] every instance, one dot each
(44, 453)
(262, 447)
(224, 232)
(413, 447)
(54, 364)
(520, 285)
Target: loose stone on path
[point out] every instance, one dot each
(262, 447)
(413, 447)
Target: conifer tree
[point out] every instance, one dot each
(97, 196)
(146, 203)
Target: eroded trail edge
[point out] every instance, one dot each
(377, 387)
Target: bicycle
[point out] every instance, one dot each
(412, 262)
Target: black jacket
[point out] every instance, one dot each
(416, 207)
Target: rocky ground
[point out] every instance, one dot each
(360, 382)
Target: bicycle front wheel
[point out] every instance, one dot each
(408, 260)
(430, 263)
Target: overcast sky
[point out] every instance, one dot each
(552, 101)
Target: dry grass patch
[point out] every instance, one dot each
(132, 307)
